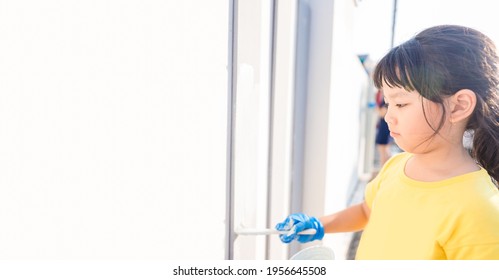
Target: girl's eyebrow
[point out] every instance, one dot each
(397, 94)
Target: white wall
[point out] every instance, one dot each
(113, 129)
(252, 122)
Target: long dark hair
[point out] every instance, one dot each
(440, 61)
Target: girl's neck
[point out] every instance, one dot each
(440, 164)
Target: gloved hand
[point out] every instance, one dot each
(299, 222)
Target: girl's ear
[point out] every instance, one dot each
(462, 105)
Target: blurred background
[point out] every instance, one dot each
(159, 129)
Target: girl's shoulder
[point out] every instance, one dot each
(397, 160)
(393, 169)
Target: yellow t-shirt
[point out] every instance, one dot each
(457, 218)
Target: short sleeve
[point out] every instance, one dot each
(371, 190)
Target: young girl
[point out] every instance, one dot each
(436, 200)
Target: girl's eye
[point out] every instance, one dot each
(396, 105)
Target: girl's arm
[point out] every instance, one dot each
(353, 218)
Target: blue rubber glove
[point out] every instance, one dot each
(299, 222)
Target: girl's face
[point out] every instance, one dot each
(411, 126)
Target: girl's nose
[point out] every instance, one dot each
(389, 118)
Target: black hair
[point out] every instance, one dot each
(440, 61)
